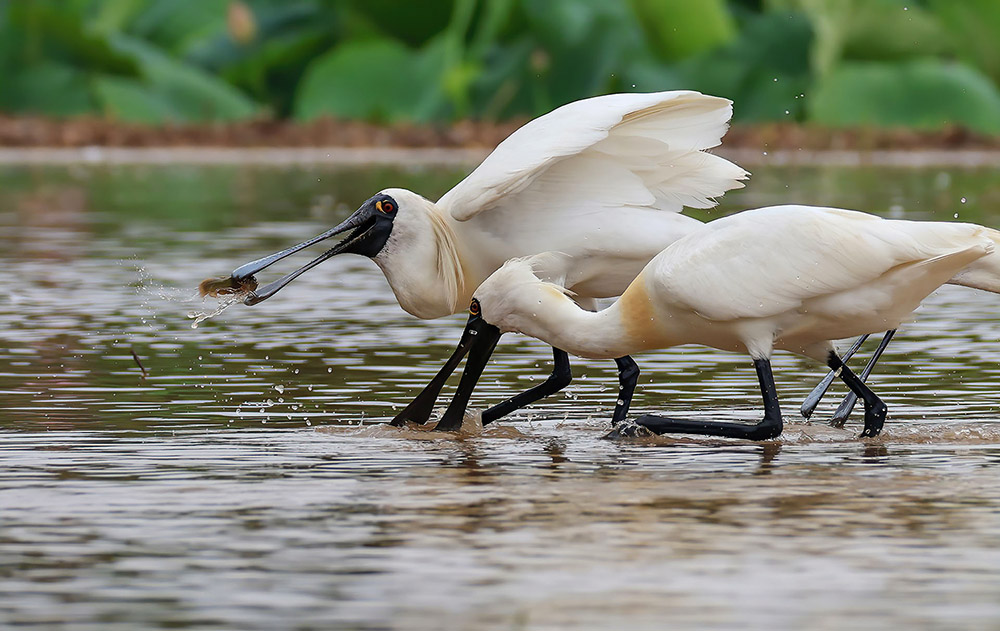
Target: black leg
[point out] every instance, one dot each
(768, 427)
(478, 338)
(479, 354)
(847, 405)
(814, 397)
(561, 376)
(628, 375)
(875, 409)
(420, 408)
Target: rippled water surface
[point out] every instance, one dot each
(249, 482)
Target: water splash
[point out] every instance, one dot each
(225, 302)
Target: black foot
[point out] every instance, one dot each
(764, 430)
(418, 411)
(767, 428)
(875, 408)
(874, 420)
(628, 430)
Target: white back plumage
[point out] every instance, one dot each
(789, 277)
(765, 262)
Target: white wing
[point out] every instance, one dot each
(765, 262)
(650, 146)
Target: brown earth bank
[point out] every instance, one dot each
(29, 131)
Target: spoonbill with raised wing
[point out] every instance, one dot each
(601, 180)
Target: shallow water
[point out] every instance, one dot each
(248, 482)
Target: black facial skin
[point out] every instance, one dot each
(369, 226)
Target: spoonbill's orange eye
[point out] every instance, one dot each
(474, 307)
(385, 206)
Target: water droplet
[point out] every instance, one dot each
(963, 200)
(280, 389)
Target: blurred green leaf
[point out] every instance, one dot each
(414, 23)
(569, 23)
(47, 31)
(893, 29)
(49, 87)
(192, 93)
(177, 60)
(178, 26)
(868, 29)
(499, 89)
(581, 48)
(974, 28)
(132, 101)
(374, 79)
(927, 94)
(680, 28)
(764, 71)
(290, 36)
(272, 69)
(115, 15)
(430, 70)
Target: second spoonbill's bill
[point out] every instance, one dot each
(787, 277)
(601, 180)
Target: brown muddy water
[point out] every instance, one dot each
(248, 481)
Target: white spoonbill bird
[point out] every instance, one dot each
(786, 277)
(601, 180)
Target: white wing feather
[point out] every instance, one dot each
(761, 263)
(658, 138)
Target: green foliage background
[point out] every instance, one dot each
(924, 64)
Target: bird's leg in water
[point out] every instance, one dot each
(847, 405)
(420, 408)
(814, 397)
(768, 427)
(479, 354)
(875, 410)
(561, 376)
(628, 375)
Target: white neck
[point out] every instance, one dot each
(628, 326)
(560, 322)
